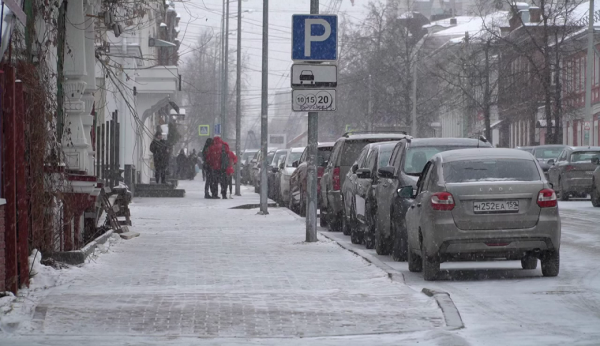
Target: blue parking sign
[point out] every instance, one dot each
(314, 37)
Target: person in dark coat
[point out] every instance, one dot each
(181, 164)
(192, 162)
(207, 170)
(160, 153)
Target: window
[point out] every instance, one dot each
(548, 153)
(468, 171)
(384, 156)
(370, 159)
(291, 157)
(303, 158)
(323, 155)
(421, 181)
(584, 156)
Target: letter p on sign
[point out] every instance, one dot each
(314, 37)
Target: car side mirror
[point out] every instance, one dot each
(295, 164)
(551, 162)
(386, 172)
(595, 160)
(354, 168)
(363, 173)
(406, 192)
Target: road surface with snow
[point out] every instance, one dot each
(502, 304)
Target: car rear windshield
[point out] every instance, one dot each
(584, 156)
(490, 170)
(323, 156)
(353, 148)
(548, 153)
(417, 157)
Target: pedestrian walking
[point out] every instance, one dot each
(160, 153)
(181, 164)
(218, 158)
(208, 193)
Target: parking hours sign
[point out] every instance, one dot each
(313, 100)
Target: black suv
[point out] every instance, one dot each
(406, 163)
(345, 152)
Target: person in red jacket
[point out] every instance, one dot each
(230, 170)
(218, 159)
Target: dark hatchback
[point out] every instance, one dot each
(405, 166)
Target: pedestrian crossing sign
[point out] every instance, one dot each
(203, 130)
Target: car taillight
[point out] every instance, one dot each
(569, 168)
(336, 179)
(547, 199)
(442, 201)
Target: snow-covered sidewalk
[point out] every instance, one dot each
(203, 270)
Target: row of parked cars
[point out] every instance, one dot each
(286, 174)
(430, 200)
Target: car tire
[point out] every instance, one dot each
(399, 250)
(369, 231)
(564, 195)
(529, 262)
(290, 202)
(333, 221)
(381, 244)
(595, 197)
(551, 263)
(322, 220)
(415, 262)
(345, 224)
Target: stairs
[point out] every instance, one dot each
(158, 191)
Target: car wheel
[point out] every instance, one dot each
(595, 198)
(399, 249)
(529, 262)
(551, 263)
(290, 202)
(369, 231)
(322, 220)
(345, 225)
(333, 221)
(381, 243)
(564, 195)
(415, 263)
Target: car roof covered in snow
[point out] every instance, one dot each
(481, 153)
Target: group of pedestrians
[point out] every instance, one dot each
(188, 166)
(218, 168)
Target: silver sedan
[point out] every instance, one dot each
(470, 204)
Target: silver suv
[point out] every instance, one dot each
(482, 204)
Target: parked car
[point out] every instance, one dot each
(359, 188)
(289, 168)
(344, 154)
(544, 153)
(482, 204)
(273, 171)
(571, 174)
(297, 199)
(386, 225)
(595, 194)
(246, 163)
(256, 169)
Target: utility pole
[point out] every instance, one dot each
(311, 178)
(588, 80)
(264, 109)
(225, 76)
(238, 103)
(414, 100)
(370, 107)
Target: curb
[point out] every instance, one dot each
(451, 314)
(449, 310)
(391, 272)
(79, 256)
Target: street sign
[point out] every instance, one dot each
(314, 37)
(314, 76)
(587, 125)
(217, 129)
(203, 130)
(313, 100)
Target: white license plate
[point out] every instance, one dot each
(589, 172)
(496, 207)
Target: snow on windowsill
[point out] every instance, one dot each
(2, 201)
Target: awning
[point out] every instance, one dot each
(542, 124)
(496, 123)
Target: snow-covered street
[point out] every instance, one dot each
(502, 304)
(202, 273)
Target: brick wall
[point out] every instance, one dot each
(2, 252)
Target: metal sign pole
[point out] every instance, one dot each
(313, 122)
(238, 105)
(264, 118)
